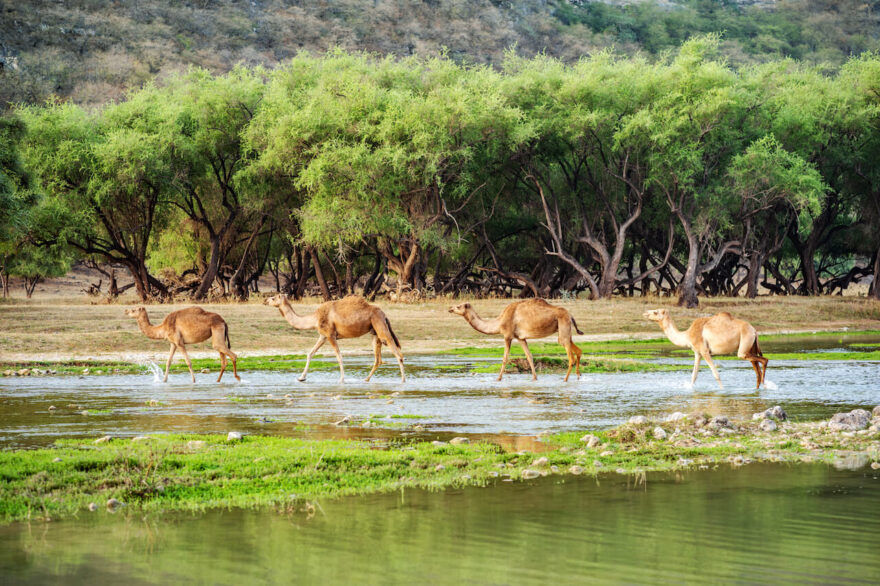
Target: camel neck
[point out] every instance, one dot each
(484, 326)
(675, 336)
(149, 330)
(298, 321)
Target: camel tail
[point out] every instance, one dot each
(756, 350)
(576, 328)
(393, 335)
(226, 333)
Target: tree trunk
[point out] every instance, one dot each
(875, 284)
(319, 274)
(687, 289)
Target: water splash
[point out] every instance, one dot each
(771, 386)
(158, 375)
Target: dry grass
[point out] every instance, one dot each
(62, 328)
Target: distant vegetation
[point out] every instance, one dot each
(337, 173)
(94, 50)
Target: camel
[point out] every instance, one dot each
(521, 320)
(189, 326)
(719, 334)
(349, 317)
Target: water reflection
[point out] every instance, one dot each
(761, 523)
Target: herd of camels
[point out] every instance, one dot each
(353, 317)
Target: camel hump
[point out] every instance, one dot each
(351, 302)
(724, 314)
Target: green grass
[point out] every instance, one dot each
(193, 473)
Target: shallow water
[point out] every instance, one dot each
(759, 524)
(446, 402)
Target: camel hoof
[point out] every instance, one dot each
(301, 379)
(238, 378)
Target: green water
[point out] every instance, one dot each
(757, 524)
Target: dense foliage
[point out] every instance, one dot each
(350, 171)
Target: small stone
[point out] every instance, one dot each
(439, 467)
(606, 453)
(85, 371)
(591, 440)
(543, 434)
(638, 420)
(853, 421)
(528, 474)
(141, 438)
(367, 424)
(113, 504)
(344, 420)
(459, 440)
(438, 443)
(418, 428)
(620, 471)
(554, 469)
(195, 444)
(542, 461)
(677, 416)
(52, 407)
(288, 396)
(336, 397)
(56, 460)
(389, 402)
(205, 370)
(876, 411)
(270, 396)
(768, 425)
(700, 421)
(875, 465)
(598, 464)
(93, 507)
(720, 422)
(659, 433)
(576, 470)
(102, 440)
(233, 436)
(24, 372)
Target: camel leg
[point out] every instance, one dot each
(217, 341)
(574, 359)
(168, 363)
(395, 349)
(757, 370)
(311, 353)
(507, 342)
(222, 366)
(525, 347)
(335, 347)
(763, 362)
(377, 350)
(708, 357)
(696, 367)
(188, 362)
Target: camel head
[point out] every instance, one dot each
(460, 309)
(275, 300)
(136, 312)
(656, 314)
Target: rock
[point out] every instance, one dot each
(775, 412)
(113, 504)
(875, 465)
(606, 453)
(24, 372)
(855, 461)
(700, 421)
(768, 425)
(8, 373)
(438, 443)
(85, 371)
(233, 436)
(367, 424)
(542, 461)
(876, 411)
(620, 471)
(685, 462)
(344, 420)
(418, 428)
(543, 434)
(93, 507)
(853, 421)
(56, 459)
(439, 467)
(554, 469)
(591, 440)
(659, 433)
(459, 440)
(576, 470)
(195, 444)
(598, 464)
(141, 438)
(677, 416)
(205, 370)
(102, 440)
(528, 474)
(720, 422)
(52, 407)
(638, 420)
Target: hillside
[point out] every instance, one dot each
(91, 51)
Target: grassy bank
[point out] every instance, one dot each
(191, 473)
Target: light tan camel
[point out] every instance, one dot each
(521, 320)
(189, 326)
(719, 334)
(350, 317)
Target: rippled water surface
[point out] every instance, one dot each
(758, 524)
(446, 401)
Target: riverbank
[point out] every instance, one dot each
(167, 473)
